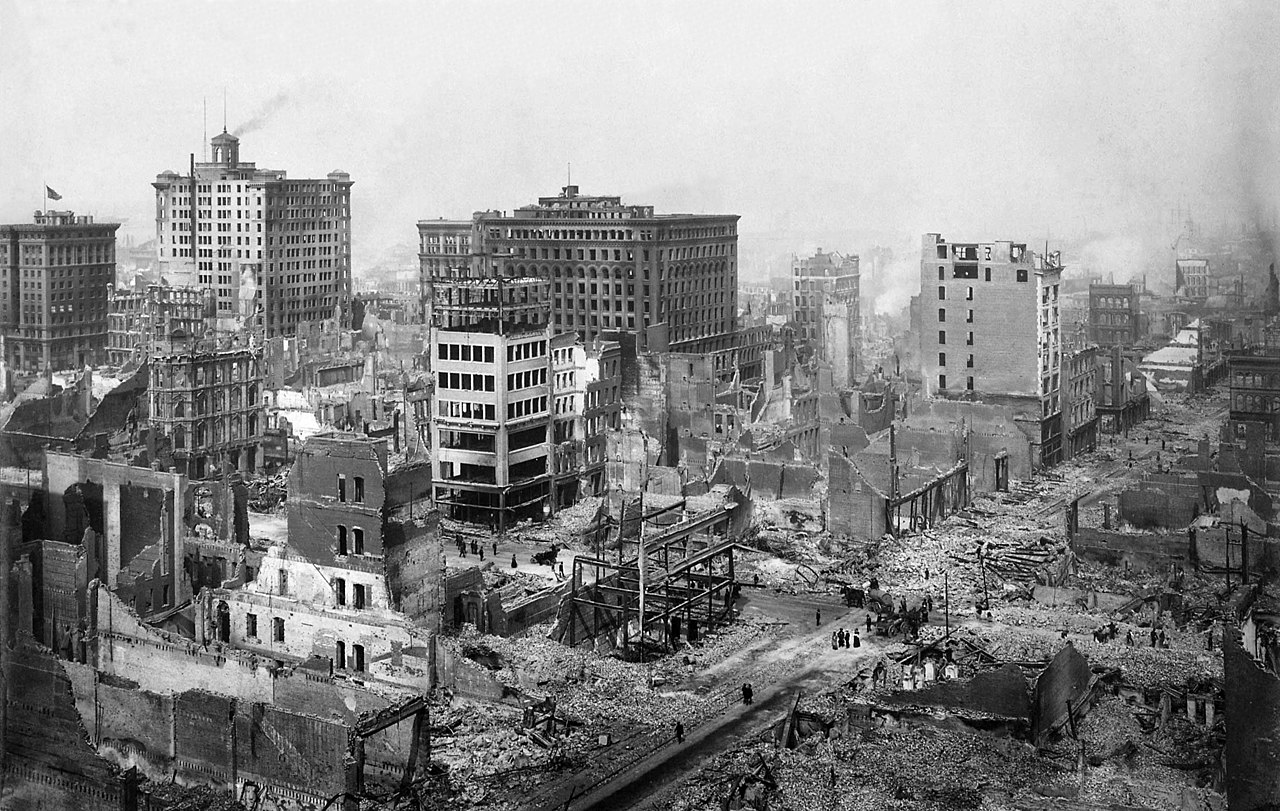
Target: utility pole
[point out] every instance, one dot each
(946, 603)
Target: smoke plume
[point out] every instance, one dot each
(264, 113)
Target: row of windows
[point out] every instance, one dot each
(350, 543)
(526, 351)
(465, 381)
(465, 352)
(942, 315)
(942, 360)
(357, 492)
(452, 409)
(359, 593)
(942, 338)
(527, 379)
(524, 408)
(942, 382)
(971, 272)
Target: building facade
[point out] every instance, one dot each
(1255, 389)
(56, 273)
(1080, 392)
(587, 402)
(672, 279)
(276, 252)
(136, 318)
(825, 311)
(442, 245)
(1191, 279)
(1114, 319)
(209, 403)
(990, 329)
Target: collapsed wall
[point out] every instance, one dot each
(1252, 750)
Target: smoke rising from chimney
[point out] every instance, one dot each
(264, 113)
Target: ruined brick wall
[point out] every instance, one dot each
(316, 506)
(1150, 552)
(47, 758)
(1252, 751)
(649, 406)
(415, 568)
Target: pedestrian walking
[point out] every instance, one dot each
(1164, 641)
(1153, 637)
(562, 568)
(679, 732)
(844, 637)
(835, 640)
(868, 622)
(495, 549)
(857, 641)
(817, 617)
(746, 693)
(513, 561)
(482, 553)
(1128, 638)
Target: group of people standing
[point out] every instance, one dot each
(840, 639)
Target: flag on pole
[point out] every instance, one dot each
(51, 194)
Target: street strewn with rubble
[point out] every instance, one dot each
(826, 730)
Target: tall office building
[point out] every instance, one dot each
(443, 245)
(275, 251)
(825, 310)
(672, 279)
(56, 273)
(990, 329)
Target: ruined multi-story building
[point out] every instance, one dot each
(491, 426)
(137, 318)
(1114, 318)
(56, 273)
(672, 279)
(329, 591)
(990, 330)
(825, 311)
(1123, 401)
(586, 386)
(1191, 279)
(208, 402)
(1080, 401)
(275, 251)
(442, 245)
(1255, 389)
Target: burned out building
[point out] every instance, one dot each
(1255, 389)
(208, 401)
(1114, 316)
(354, 582)
(991, 331)
(826, 311)
(137, 318)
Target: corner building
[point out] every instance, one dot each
(672, 279)
(276, 252)
(56, 273)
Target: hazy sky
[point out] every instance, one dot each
(840, 121)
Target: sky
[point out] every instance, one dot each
(841, 124)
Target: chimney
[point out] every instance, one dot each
(1117, 376)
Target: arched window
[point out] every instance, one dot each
(236, 425)
(179, 437)
(179, 410)
(202, 404)
(253, 425)
(253, 394)
(235, 398)
(202, 434)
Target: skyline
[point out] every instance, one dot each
(864, 123)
